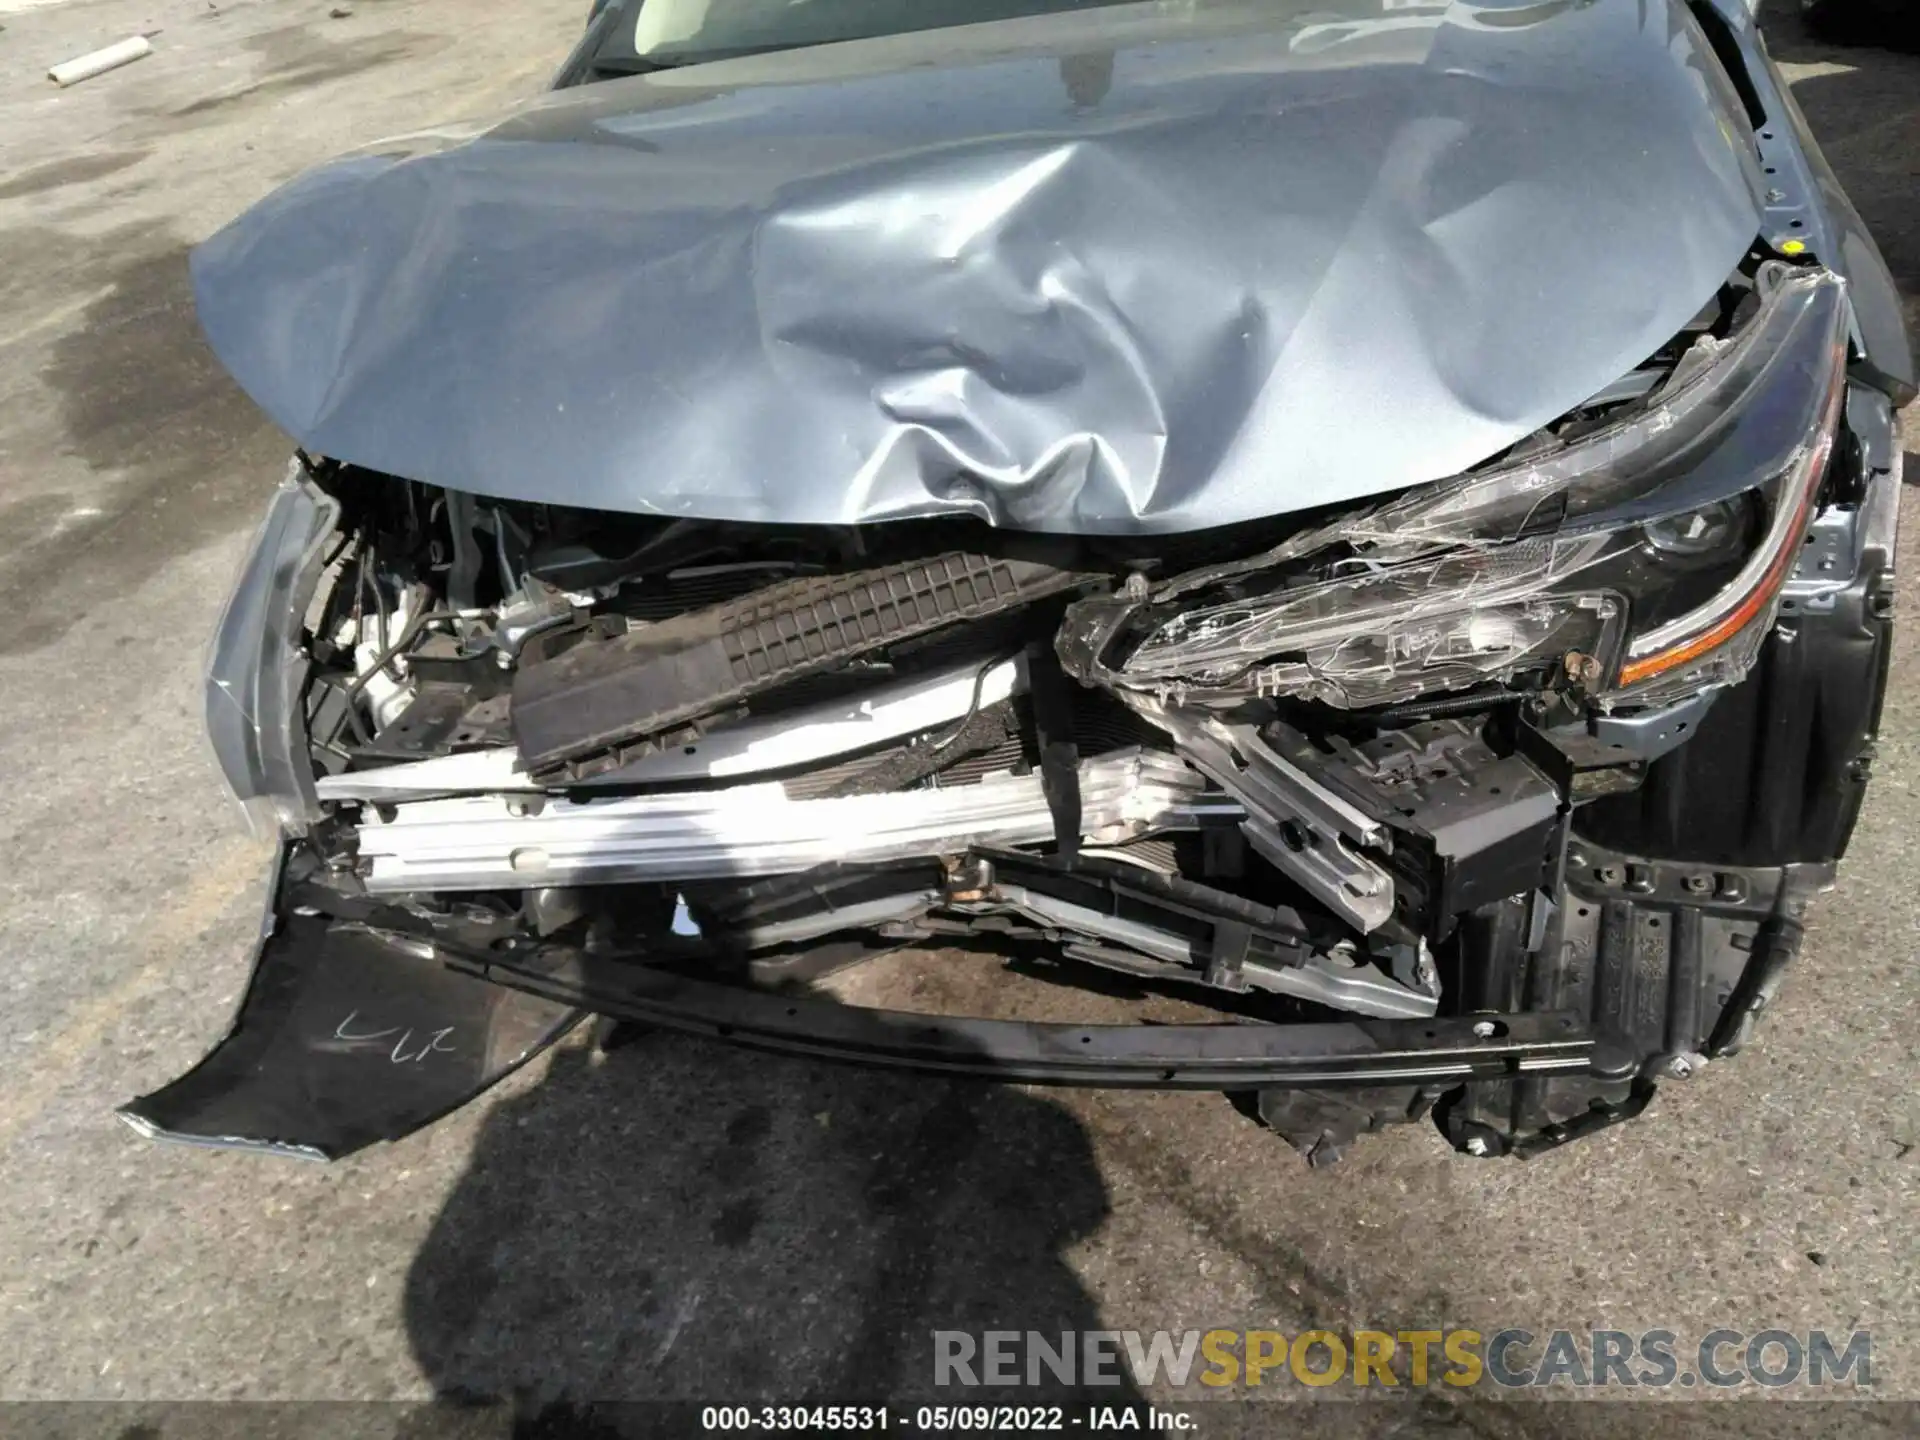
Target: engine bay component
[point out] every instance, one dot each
(785, 740)
(585, 708)
(1468, 825)
(1119, 916)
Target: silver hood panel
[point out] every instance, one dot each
(1140, 269)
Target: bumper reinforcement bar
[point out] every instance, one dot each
(1166, 1057)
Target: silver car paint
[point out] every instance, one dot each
(1140, 269)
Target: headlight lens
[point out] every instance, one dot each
(1648, 577)
(257, 666)
(1719, 640)
(1710, 530)
(1391, 634)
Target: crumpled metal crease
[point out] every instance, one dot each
(1279, 257)
(1708, 432)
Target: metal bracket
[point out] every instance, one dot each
(1652, 733)
(1298, 825)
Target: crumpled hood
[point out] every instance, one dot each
(1116, 271)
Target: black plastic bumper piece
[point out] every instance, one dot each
(348, 1036)
(574, 714)
(1159, 1057)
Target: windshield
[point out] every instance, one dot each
(683, 32)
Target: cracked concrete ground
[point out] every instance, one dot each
(681, 1220)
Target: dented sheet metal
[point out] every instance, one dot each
(1135, 269)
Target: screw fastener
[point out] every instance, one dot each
(1581, 668)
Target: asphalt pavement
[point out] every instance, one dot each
(678, 1219)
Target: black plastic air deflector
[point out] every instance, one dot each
(576, 713)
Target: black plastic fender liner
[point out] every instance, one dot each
(1227, 1056)
(579, 708)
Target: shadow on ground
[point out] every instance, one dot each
(679, 1220)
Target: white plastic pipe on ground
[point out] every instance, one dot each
(85, 67)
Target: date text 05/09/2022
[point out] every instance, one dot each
(948, 1419)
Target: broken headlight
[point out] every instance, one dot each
(257, 663)
(1639, 561)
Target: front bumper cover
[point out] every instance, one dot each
(346, 1036)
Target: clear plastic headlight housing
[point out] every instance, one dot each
(1642, 561)
(257, 662)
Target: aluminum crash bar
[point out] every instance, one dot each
(510, 841)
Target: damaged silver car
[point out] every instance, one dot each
(1377, 514)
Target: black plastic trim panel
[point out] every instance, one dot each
(578, 709)
(1673, 961)
(1162, 1057)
